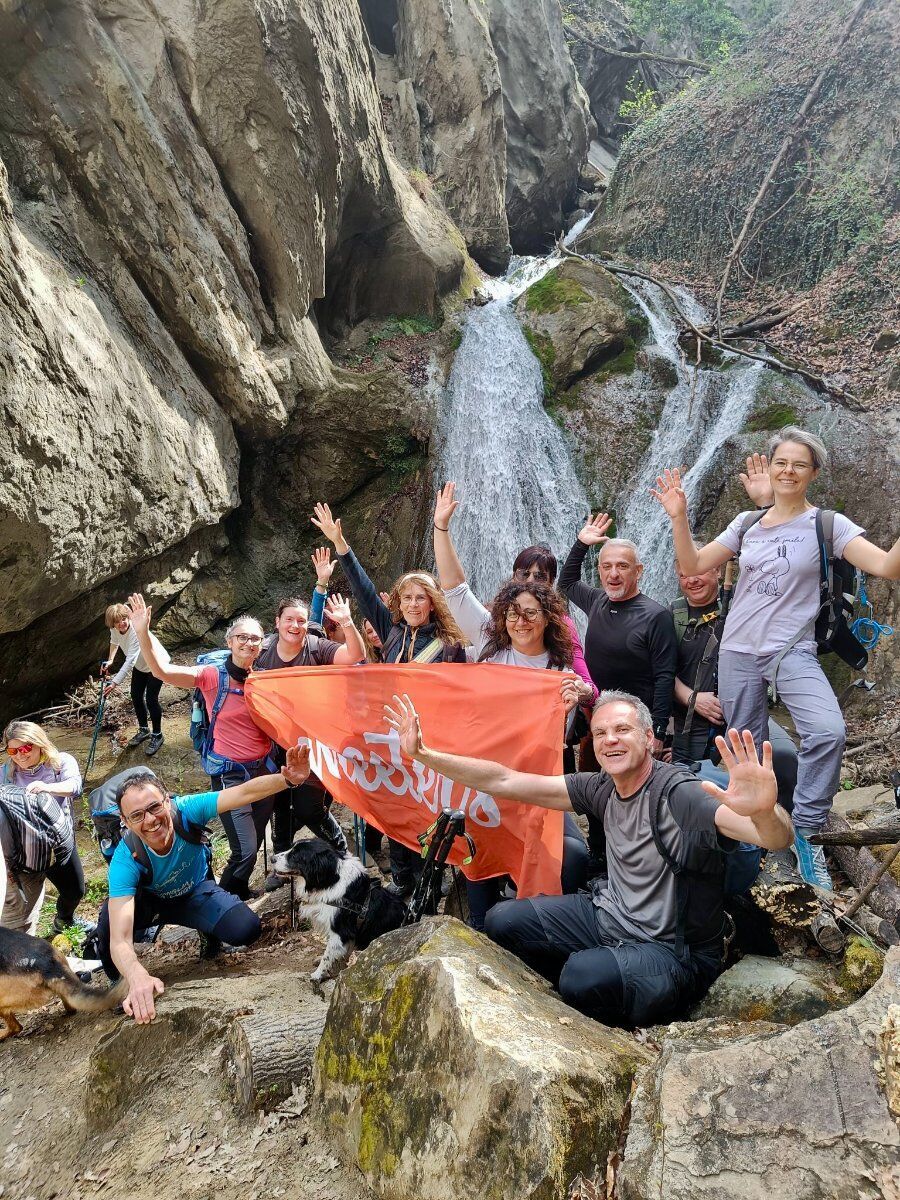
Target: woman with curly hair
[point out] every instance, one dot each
(414, 625)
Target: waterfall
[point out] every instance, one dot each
(698, 417)
(508, 458)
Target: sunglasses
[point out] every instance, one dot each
(25, 748)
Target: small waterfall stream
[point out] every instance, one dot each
(512, 465)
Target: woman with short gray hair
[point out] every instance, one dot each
(768, 636)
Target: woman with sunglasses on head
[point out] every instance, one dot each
(239, 749)
(535, 564)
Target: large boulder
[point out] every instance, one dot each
(731, 1113)
(783, 991)
(447, 1068)
(577, 317)
(547, 118)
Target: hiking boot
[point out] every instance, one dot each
(156, 740)
(209, 946)
(274, 882)
(400, 890)
(811, 860)
(141, 736)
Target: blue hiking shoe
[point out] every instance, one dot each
(811, 860)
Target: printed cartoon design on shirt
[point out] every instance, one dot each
(770, 571)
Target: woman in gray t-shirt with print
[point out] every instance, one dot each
(770, 625)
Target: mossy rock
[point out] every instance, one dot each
(447, 1068)
(586, 316)
(862, 966)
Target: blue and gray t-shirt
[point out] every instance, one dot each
(176, 873)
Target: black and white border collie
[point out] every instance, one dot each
(345, 904)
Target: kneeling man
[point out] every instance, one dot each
(161, 874)
(648, 941)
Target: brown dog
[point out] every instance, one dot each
(32, 973)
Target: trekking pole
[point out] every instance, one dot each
(436, 842)
(101, 704)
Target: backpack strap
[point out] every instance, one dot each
(681, 616)
(750, 519)
(197, 835)
(682, 873)
(222, 693)
(430, 652)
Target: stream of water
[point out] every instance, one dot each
(511, 463)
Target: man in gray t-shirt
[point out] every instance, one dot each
(646, 944)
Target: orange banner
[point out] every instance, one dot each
(513, 715)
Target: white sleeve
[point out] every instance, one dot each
(845, 531)
(470, 615)
(131, 650)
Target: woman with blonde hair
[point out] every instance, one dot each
(36, 765)
(414, 625)
(145, 687)
(37, 839)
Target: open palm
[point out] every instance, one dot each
(338, 610)
(594, 532)
(404, 718)
(752, 787)
(326, 523)
(670, 493)
(323, 566)
(756, 481)
(446, 505)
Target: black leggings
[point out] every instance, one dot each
(67, 876)
(145, 698)
(245, 828)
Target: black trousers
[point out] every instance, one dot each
(145, 698)
(245, 828)
(305, 806)
(568, 941)
(67, 876)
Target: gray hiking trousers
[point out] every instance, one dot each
(808, 697)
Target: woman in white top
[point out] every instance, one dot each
(145, 687)
(769, 630)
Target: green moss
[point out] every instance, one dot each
(456, 338)
(773, 416)
(542, 349)
(622, 364)
(554, 292)
(862, 966)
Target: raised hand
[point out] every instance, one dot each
(327, 524)
(296, 767)
(670, 493)
(337, 609)
(756, 480)
(595, 531)
(570, 692)
(752, 787)
(404, 718)
(140, 613)
(445, 507)
(322, 565)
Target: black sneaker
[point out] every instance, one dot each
(141, 736)
(401, 890)
(156, 740)
(210, 946)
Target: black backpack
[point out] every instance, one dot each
(838, 587)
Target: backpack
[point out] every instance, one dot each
(706, 668)
(200, 730)
(838, 587)
(197, 835)
(105, 815)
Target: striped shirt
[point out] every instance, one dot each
(34, 828)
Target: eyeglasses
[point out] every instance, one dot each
(513, 613)
(248, 639)
(152, 810)
(25, 748)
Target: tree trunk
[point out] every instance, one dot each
(876, 927)
(887, 834)
(859, 865)
(265, 1055)
(780, 892)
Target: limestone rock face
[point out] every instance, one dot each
(194, 191)
(728, 1112)
(446, 51)
(575, 318)
(447, 1069)
(547, 118)
(784, 991)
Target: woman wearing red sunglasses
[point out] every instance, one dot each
(35, 764)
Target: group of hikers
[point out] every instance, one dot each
(670, 753)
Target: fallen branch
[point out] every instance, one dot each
(885, 835)
(783, 150)
(860, 865)
(761, 323)
(575, 28)
(879, 741)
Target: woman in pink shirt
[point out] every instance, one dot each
(239, 747)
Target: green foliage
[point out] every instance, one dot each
(642, 102)
(543, 351)
(553, 292)
(709, 23)
(843, 212)
(97, 889)
(773, 416)
(404, 327)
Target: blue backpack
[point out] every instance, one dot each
(203, 723)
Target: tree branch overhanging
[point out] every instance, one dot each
(580, 33)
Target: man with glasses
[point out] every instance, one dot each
(161, 873)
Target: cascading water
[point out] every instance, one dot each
(698, 417)
(512, 466)
(509, 460)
